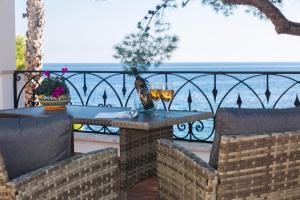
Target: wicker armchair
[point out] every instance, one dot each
(256, 166)
(85, 176)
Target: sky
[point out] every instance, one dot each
(86, 31)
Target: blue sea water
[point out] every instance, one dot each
(204, 66)
(195, 87)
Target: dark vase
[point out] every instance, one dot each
(142, 89)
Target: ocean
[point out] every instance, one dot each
(195, 85)
(204, 66)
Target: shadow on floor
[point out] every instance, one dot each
(146, 190)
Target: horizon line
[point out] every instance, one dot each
(198, 62)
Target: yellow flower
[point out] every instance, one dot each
(77, 126)
(41, 96)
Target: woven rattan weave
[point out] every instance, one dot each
(93, 176)
(251, 167)
(138, 154)
(137, 136)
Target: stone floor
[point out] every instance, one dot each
(146, 190)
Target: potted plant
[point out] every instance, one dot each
(53, 92)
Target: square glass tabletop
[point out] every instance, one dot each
(88, 115)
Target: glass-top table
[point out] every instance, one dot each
(87, 115)
(137, 135)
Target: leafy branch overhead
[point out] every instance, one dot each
(142, 50)
(150, 45)
(267, 9)
(270, 8)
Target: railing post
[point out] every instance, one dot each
(15, 77)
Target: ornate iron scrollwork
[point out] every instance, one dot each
(202, 91)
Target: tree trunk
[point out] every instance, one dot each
(34, 41)
(281, 23)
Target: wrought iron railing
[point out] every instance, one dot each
(200, 90)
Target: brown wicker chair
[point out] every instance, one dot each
(86, 176)
(256, 166)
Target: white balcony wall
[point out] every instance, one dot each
(7, 52)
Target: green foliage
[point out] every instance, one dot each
(219, 6)
(49, 84)
(147, 47)
(142, 50)
(152, 44)
(20, 52)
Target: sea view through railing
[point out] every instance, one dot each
(198, 86)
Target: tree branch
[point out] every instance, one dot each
(184, 3)
(281, 23)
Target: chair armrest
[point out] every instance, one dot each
(183, 175)
(6, 191)
(93, 175)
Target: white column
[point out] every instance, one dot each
(7, 52)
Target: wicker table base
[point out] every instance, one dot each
(138, 155)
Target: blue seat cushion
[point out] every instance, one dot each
(29, 143)
(237, 121)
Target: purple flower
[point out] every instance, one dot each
(58, 91)
(64, 70)
(55, 94)
(46, 73)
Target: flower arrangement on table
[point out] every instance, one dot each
(53, 91)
